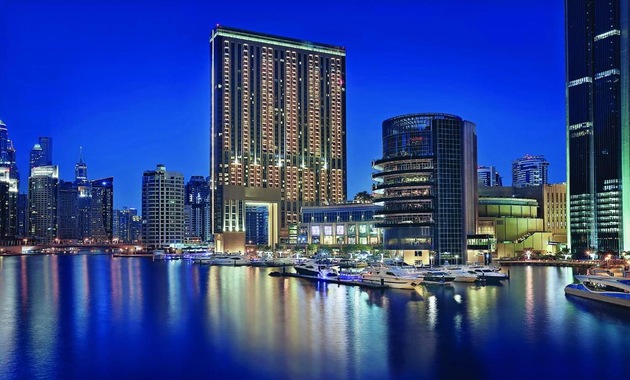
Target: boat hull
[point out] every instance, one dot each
(393, 283)
(579, 290)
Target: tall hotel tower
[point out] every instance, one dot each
(278, 131)
(598, 124)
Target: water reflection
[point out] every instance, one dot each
(96, 316)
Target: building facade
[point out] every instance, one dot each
(278, 131)
(8, 204)
(41, 153)
(7, 153)
(127, 225)
(489, 176)
(339, 225)
(197, 205)
(162, 208)
(515, 226)
(529, 171)
(427, 184)
(102, 210)
(598, 124)
(42, 199)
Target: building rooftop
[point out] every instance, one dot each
(277, 40)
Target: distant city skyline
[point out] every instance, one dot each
(134, 93)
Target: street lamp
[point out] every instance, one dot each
(431, 260)
(528, 253)
(456, 259)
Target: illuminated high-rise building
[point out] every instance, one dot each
(530, 170)
(162, 208)
(7, 152)
(598, 124)
(489, 176)
(278, 131)
(197, 205)
(42, 199)
(41, 154)
(102, 210)
(427, 184)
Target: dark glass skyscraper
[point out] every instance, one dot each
(598, 124)
(427, 183)
(197, 204)
(278, 130)
(41, 153)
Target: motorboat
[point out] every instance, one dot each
(390, 276)
(609, 289)
(230, 260)
(487, 274)
(433, 276)
(317, 268)
(461, 275)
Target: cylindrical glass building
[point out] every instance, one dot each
(427, 184)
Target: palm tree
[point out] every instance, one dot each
(363, 197)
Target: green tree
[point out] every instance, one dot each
(363, 197)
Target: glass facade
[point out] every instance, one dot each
(427, 183)
(598, 136)
(529, 171)
(340, 224)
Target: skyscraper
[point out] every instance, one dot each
(529, 171)
(8, 204)
(47, 149)
(41, 153)
(488, 176)
(102, 210)
(7, 152)
(9, 186)
(162, 208)
(67, 208)
(598, 124)
(127, 225)
(80, 169)
(42, 199)
(427, 184)
(278, 131)
(36, 157)
(197, 203)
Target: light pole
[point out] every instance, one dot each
(431, 260)
(456, 259)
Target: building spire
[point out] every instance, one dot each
(81, 155)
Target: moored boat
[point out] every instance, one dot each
(230, 260)
(317, 268)
(609, 289)
(390, 276)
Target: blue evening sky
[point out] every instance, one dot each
(129, 80)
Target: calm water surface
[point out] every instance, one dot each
(93, 316)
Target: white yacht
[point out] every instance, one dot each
(461, 275)
(487, 274)
(390, 276)
(436, 276)
(317, 268)
(609, 289)
(230, 260)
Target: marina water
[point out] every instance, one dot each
(93, 316)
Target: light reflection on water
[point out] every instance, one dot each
(101, 317)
